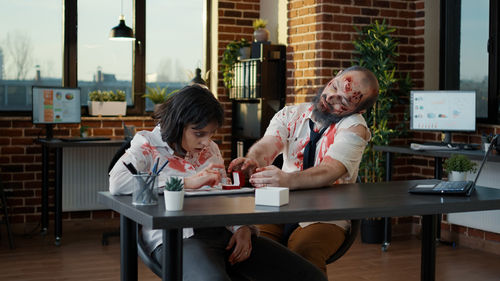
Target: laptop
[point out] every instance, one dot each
(464, 188)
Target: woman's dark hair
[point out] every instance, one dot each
(191, 105)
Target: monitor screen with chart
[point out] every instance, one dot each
(446, 111)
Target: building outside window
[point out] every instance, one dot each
(103, 64)
(174, 32)
(30, 50)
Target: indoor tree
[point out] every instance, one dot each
(377, 51)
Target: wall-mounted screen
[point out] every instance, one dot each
(53, 105)
(447, 111)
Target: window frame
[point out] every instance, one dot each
(70, 54)
(449, 78)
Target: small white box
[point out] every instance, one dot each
(271, 196)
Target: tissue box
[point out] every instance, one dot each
(271, 196)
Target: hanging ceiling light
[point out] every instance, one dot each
(121, 32)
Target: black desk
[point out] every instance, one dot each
(438, 168)
(348, 201)
(58, 145)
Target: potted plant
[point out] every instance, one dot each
(457, 167)
(174, 194)
(376, 50)
(261, 34)
(107, 103)
(157, 95)
(229, 58)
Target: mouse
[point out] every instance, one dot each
(468, 147)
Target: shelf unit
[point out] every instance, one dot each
(258, 92)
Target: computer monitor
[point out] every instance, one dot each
(446, 111)
(55, 105)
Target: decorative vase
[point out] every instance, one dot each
(174, 200)
(107, 108)
(261, 35)
(457, 176)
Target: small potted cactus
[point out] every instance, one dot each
(174, 194)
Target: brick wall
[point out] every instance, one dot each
(235, 22)
(20, 162)
(320, 35)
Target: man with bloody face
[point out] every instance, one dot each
(322, 143)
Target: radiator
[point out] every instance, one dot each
(484, 220)
(85, 172)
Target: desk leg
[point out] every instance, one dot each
(45, 188)
(58, 197)
(428, 258)
(387, 221)
(438, 174)
(128, 249)
(172, 255)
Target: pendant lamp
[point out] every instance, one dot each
(121, 32)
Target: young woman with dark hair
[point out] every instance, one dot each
(186, 123)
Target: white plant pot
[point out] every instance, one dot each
(457, 176)
(174, 200)
(107, 108)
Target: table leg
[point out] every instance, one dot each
(128, 249)
(387, 221)
(172, 255)
(428, 258)
(58, 197)
(45, 188)
(438, 174)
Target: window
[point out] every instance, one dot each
(174, 31)
(30, 50)
(34, 33)
(474, 31)
(103, 64)
(472, 25)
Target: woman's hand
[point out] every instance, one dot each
(269, 176)
(242, 243)
(209, 176)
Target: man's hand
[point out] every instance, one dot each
(242, 243)
(270, 176)
(209, 176)
(247, 165)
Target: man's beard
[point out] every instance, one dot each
(324, 117)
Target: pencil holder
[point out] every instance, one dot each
(145, 192)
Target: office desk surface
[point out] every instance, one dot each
(349, 201)
(472, 154)
(52, 143)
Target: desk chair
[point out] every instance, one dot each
(116, 157)
(350, 236)
(5, 220)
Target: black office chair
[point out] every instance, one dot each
(145, 257)
(116, 157)
(350, 237)
(5, 220)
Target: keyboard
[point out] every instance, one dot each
(417, 146)
(85, 139)
(452, 185)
